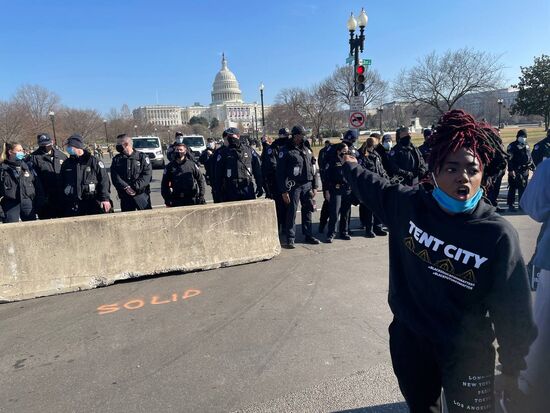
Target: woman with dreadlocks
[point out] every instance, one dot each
(457, 278)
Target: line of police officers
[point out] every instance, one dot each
(50, 184)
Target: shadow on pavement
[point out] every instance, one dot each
(382, 408)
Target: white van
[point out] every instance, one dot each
(195, 143)
(152, 147)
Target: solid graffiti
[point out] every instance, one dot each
(135, 304)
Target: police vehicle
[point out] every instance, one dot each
(195, 143)
(151, 146)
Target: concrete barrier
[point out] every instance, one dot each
(56, 256)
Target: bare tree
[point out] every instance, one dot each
(440, 81)
(36, 101)
(341, 84)
(12, 122)
(86, 122)
(315, 104)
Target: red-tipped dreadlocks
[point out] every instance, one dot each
(457, 129)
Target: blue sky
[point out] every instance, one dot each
(101, 54)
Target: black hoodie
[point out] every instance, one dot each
(458, 280)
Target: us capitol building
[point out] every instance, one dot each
(227, 106)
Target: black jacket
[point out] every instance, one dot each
(295, 167)
(182, 180)
(332, 175)
(384, 157)
(19, 183)
(85, 178)
(47, 167)
(373, 163)
(520, 158)
(457, 280)
(541, 151)
(133, 170)
(406, 161)
(237, 164)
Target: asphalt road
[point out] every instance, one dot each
(304, 332)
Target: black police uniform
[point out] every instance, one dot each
(406, 161)
(519, 163)
(85, 185)
(341, 197)
(47, 166)
(20, 192)
(424, 150)
(541, 151)
(492, 176)
(373, 225)
(295, 176)
(270, 155)
(182, 183)
(237, 168)
(384, 157)
(132, 171)
(325, 210)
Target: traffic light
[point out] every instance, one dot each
(360, 78)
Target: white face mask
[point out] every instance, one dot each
(522, 140)
(387, 145)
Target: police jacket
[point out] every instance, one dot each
(236, 166)
(295, 166)
(207, 159)
(425, 150)
(541, 151)
(84, 178)
(269, 161)
(495, 168)
(321, 158)
(47, 166)
(520, 158)
(132, 170)
(182, 180)
(384, 157)
(331, 174)
(19, 183)
(406, 161)
(373, 163)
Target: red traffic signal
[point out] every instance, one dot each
(360, 78)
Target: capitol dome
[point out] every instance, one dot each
(226, 87)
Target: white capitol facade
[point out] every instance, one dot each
(227, 106)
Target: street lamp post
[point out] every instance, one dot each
(256, 121)
(500, 102)
(380, 110)
(52, 119)
(357, 43)
(135, 130)
(105, 125)
(262, 100)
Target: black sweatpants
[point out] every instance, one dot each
(467, 378)
(325, 212)
(139, 202)
(495, 190)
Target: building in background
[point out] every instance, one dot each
(227, 107)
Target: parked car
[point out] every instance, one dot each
(151, 146)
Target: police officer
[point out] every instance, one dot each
(541, 150)
(131, 174)
(405, 160)
(493, 174)
(46, 162)
(325, 212)
(372, 162)
(383, 149)
(297, 184)
(182, 182)
(20, 190)
(335, 188)
(519, 164)
(170, 151)
(237, 169)
(425, 148)
(85, 182)
(270, 155)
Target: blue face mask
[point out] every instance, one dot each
(454, 205)
(20, 156)
(70, 150)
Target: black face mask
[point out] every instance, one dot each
(406, 141)
(119, 148)
(233, 141)
(180, 155)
